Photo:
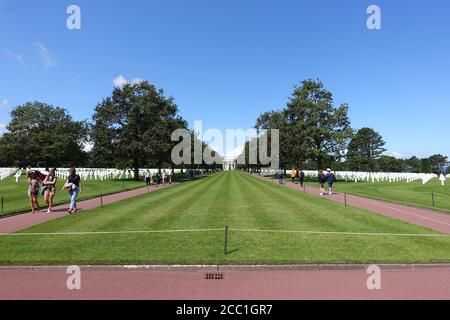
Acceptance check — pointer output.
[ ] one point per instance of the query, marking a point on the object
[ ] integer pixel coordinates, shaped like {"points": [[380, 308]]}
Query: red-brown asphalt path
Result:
{"points": [[435, 220], [50, 284], [23, 221]]}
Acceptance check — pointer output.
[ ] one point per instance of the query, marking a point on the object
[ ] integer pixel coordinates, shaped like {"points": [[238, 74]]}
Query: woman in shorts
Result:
{"points": [[50, 189], [321, 177], [33, 190]]}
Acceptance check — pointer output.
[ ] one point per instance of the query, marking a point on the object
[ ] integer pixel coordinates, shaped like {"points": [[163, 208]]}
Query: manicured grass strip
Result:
{"points": [[267, 224], [93, 233], [431, 195]]}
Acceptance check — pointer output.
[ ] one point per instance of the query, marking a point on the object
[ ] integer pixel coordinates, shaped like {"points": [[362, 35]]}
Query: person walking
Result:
{"points": [[163, 175], [158, 178], [321, 178], [280, 175], [33, 190], [331, 178], [73, 186], [170, 174], [148, 179], [301, 177], [49, 184], [293, 175]]}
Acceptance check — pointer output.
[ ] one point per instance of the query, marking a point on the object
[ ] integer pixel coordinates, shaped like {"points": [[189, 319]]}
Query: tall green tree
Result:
{"points": [[42, 135], [425, 165], [390, 164], [365, 148], [311, 127], [288, 150], [436, 161], [412, 164], [134, 126], [315, 125]]}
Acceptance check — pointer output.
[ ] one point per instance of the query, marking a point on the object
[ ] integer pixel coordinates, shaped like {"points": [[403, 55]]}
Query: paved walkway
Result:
{"points": [[23, 221], [435, 220], [116, 283]]}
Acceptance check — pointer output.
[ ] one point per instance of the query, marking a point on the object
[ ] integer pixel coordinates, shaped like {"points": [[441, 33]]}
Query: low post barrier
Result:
{"points": [[433, 199], [225, 247]]}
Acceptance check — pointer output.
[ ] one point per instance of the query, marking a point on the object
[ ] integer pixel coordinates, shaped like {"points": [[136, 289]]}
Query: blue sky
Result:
{"points": [[225, 62]]}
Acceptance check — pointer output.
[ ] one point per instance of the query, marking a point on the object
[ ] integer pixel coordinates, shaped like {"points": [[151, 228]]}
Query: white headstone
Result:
{"points": [[442, 179]]}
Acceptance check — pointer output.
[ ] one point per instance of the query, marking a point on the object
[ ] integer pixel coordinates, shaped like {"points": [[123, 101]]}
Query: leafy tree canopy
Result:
{"points": [[40, 134]]}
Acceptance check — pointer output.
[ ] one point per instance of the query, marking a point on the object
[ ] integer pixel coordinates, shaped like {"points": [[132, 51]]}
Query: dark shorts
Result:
{"points": [[330, 184]]}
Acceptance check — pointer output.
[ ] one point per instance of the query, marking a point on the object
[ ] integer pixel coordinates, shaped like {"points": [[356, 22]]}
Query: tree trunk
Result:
{"points": [[319, 163], [136, 170]]}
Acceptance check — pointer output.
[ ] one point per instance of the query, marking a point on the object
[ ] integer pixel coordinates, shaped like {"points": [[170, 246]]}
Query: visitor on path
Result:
{"points": [[73, 186], [169, 175], [280, 174], [148, 179], [293, 175], [301, 177], [158, 178], [331, 178], [33, 190], [49, 184], [321, 178], [164, 175]]}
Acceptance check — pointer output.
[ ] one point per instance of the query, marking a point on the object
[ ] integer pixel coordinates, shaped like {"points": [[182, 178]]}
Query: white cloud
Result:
{"points": [[46, 57], [394, 154], [19, 57], [3, 103], [120, 81]]}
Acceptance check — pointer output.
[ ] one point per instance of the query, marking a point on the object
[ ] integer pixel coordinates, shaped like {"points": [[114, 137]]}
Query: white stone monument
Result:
{"points": [[229, 164]]}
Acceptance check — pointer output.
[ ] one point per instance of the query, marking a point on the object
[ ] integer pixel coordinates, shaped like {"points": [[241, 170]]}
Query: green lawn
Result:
{"points": [[233, 199], [414, 193], [15, 198]]}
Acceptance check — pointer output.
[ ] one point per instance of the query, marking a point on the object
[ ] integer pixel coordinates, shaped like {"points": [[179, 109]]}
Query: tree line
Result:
{"points": [[315, 134], [129, 129], [132, 129]]}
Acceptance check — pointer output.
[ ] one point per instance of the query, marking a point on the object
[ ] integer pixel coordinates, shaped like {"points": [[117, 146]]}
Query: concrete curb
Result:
{"points": [[228, 268]]}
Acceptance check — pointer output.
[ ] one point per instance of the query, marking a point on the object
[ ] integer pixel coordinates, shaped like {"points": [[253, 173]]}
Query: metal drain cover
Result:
{"points": [[214, 276]]}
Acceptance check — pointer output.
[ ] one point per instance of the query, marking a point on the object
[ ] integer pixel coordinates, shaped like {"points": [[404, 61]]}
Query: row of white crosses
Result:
{"points": [[384, 176], [6, 172], [371, 176]]}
